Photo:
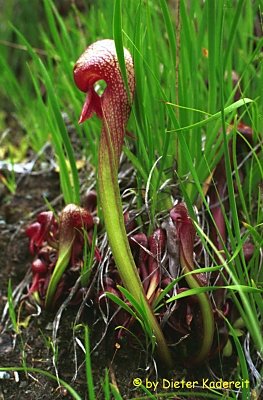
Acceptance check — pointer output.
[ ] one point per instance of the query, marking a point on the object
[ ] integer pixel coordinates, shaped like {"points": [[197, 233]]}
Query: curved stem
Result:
{"points": [[186, 236], [117, 236], [207, 321]]}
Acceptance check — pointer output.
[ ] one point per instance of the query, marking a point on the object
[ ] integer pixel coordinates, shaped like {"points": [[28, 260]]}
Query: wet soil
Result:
{"points": [[32, 347]]}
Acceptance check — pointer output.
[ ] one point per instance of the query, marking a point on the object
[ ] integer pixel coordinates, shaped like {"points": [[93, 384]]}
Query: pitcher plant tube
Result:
{"points": [[186, 236], [100, 62], [73, 218], [57, 246]]}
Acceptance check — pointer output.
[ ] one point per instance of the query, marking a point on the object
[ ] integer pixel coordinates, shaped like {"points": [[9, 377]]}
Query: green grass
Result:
{"points": [[184, 125], [155, 79]]}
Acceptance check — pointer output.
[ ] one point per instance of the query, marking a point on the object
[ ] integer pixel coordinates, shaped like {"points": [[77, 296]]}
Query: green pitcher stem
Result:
{"points": [[207, 321], [117, 236]]}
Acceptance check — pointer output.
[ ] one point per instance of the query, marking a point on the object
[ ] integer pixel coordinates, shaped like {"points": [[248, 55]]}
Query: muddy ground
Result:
{"points": [[16, 211]]}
